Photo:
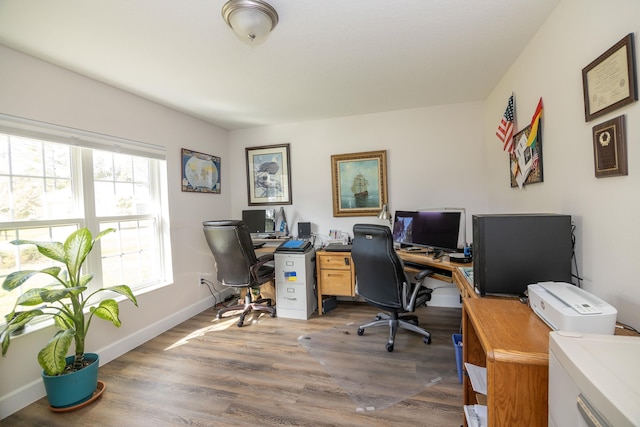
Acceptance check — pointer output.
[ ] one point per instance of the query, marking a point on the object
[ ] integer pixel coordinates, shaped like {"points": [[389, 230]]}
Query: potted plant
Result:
{"points": [[65, 300]]}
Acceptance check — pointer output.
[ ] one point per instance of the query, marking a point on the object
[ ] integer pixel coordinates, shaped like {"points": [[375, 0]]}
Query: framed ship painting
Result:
{"points": [[359, 183]]}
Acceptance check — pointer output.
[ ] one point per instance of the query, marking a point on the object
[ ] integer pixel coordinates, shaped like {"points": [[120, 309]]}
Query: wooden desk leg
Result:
{"points": [[319, 301]]}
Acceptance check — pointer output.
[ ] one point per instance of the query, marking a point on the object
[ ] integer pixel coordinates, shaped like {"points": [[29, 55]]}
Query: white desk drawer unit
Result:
{"points": [[294, 284]]}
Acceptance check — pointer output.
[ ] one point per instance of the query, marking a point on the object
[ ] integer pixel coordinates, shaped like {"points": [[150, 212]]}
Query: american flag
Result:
{"points": [[505, 128]]}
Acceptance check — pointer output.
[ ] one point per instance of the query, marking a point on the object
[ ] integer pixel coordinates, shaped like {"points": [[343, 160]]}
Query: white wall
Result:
{"points": [[435, 158], [604, 209], [40, 91]]}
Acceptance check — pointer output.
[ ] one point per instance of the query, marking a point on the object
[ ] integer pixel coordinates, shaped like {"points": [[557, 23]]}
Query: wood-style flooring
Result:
{"points": [[208, 372]]}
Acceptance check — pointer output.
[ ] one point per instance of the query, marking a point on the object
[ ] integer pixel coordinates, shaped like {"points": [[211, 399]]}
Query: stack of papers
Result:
{"points": [[476, 415], [468, 274], [478, 377]]}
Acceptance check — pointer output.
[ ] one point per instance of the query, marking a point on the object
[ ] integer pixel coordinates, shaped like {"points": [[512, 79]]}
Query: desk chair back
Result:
{"points": [[381, 280], [379, 271], [232, 248]]}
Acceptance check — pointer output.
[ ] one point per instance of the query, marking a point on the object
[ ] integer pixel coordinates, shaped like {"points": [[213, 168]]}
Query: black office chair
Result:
{"points": [[237, 264], [381, 280]]}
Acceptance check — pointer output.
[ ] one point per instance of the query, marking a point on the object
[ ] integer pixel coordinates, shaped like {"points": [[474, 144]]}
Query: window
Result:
{"points": [[54, 181]]}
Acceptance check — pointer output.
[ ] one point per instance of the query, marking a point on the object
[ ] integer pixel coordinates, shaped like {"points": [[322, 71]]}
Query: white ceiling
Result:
{"points": [[326, 58]]}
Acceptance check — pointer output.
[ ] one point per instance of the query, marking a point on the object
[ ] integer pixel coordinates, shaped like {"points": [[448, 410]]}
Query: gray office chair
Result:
{"points": [[237, 264], [382, 281]]}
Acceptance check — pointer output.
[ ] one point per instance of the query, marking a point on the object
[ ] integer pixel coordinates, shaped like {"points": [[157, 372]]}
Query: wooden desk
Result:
{"points": [[335, 275], [509, 339], [336, 272]]}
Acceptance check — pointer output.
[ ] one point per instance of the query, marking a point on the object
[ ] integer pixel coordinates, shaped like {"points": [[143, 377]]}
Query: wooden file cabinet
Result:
{"points": [[336, 275], [509, 339]]}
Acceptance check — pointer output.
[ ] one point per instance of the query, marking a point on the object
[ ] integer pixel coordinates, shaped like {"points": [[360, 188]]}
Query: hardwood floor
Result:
{"points": [[205, 372]]}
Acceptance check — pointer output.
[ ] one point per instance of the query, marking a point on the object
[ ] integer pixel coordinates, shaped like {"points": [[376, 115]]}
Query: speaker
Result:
{"points": [[304, 230]]}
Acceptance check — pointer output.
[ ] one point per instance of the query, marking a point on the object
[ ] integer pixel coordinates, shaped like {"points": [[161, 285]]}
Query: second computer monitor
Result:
{"points": [[437, 229]]}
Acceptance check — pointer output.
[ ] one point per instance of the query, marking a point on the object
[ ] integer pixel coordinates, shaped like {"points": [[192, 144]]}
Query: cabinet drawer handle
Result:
{"points": [[291, 299]]}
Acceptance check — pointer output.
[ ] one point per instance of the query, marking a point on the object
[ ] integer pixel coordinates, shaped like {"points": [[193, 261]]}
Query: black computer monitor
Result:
{"points": [[403, 227], [435, 229], [260, 221]]}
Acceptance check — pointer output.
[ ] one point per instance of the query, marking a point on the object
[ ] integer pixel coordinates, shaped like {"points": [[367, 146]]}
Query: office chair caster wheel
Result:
{"points": [[273, 314], [426, 340], [389, 348], [377, 318], [241, 321], [360, 331]]}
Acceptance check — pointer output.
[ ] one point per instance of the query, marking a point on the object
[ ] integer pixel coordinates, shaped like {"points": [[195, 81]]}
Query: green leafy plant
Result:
{"points": [[64, 300]]}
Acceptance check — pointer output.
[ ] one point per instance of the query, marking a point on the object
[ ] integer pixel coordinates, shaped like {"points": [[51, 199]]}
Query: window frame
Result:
{"points": [[82, 144]]}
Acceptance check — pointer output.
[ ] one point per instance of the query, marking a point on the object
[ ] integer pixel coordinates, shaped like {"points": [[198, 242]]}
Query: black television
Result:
{"points": [[440, 229], [512, 251]]}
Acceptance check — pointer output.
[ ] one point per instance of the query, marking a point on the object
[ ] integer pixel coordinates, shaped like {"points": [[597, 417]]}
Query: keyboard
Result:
{"points": [[337, 247]]}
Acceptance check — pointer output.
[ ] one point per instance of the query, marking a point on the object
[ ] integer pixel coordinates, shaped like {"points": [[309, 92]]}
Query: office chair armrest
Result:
{"points": [[421, 275], [262, 260], [420, 278]]}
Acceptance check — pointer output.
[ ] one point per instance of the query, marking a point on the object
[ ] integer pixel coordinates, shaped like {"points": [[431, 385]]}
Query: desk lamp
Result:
{"points": [[385, 214]]}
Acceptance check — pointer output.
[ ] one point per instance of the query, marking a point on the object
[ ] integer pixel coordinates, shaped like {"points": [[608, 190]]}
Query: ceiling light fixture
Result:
{"points": [[251, 20]]}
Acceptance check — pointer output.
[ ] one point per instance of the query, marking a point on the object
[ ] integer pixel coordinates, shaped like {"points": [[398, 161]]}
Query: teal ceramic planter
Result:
{"points": [[74, 388]]}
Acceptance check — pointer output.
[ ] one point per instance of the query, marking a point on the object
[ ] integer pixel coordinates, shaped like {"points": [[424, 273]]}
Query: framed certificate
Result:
{"points": [[609, 82]]}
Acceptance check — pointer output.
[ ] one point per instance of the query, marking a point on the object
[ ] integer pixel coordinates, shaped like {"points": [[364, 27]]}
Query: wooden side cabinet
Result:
{"points": [[336, 275], [507, 338]]}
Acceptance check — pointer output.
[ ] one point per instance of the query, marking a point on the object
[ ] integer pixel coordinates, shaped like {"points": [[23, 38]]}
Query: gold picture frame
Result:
{"points": [[268, 175], [359, 183], [610, 148], [609, 82]]}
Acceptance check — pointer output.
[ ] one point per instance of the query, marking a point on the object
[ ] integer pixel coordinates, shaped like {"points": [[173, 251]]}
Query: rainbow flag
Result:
{"points": [[535, 125]]}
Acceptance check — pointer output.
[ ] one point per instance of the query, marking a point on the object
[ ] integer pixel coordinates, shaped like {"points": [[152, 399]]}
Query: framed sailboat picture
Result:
{"points": [[359, 183]]}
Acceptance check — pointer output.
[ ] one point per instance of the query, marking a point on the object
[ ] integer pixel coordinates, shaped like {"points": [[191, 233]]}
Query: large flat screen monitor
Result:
{"points": [[436, 229]]}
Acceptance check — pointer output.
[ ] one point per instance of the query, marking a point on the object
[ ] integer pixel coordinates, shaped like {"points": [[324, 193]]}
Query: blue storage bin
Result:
{"points": [[457, 345]]}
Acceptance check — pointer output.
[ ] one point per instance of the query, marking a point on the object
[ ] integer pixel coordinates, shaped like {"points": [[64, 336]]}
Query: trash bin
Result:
{"points": [[457, 345]]}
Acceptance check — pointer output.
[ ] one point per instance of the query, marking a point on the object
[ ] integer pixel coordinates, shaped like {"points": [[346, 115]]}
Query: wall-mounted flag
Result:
{"points": [[535, 125], [505, 128]]}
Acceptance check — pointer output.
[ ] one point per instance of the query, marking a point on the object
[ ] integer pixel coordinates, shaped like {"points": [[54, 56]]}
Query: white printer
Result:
{"points": [[566, 307]]}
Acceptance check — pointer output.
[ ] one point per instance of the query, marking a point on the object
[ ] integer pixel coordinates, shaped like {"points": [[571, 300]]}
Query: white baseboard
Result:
{"points": [[31, 392]]}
